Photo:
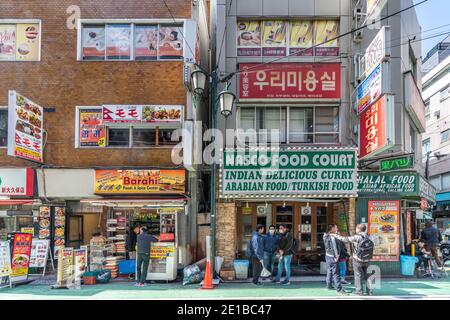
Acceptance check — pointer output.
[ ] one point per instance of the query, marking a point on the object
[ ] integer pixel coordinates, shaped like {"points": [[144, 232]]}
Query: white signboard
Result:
{"points": [[25, 128], [142, 114], [17, 182], [5, 259], [376, 52], [39, 253]]}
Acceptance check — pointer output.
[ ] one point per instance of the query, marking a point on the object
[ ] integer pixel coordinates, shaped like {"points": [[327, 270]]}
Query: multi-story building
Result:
{"points": [[109, 78], [436, 55], [436, 140], [305, 79]]}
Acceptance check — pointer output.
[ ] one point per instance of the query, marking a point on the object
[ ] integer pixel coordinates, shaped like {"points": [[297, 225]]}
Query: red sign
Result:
{"points": [[20, 258], [17, 182], [423, 204], [284, 81], [372, 135]]}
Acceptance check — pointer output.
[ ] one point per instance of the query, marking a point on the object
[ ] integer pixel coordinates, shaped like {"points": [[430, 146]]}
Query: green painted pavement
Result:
{"points": [[303, 290]]}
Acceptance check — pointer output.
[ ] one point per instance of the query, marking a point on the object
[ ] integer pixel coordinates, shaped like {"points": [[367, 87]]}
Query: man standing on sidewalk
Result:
{"points": [[144, 241], [362, 254], [432, 237], [286, 251], [332, 255], [271, 241], [257, 253]]}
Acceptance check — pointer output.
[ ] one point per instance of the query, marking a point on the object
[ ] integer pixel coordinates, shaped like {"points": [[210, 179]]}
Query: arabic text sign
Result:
{"points": [[281, 81], [304, 172]]}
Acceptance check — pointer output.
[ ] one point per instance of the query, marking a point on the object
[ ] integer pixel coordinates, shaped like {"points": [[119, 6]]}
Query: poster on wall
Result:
{"points": [[145, 42], [170, 42], [20, 257], [301, 38], [59, 230], [27, 42], [249, 38], [44, 221], [93, 42], [39, 253], [92, 130], [139, 181], [5, 259], [384, 229], [7, 42], [326, 33], [25, 128], [118, 41], [274, 38]]}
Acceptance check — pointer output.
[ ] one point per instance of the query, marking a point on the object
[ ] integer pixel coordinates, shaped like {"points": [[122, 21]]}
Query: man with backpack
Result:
{"points": [[286, 249], [255, 250], [363, 248]]}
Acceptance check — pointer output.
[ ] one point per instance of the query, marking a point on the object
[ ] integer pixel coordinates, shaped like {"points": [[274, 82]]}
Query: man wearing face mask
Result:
{"points": [[271, 241]]}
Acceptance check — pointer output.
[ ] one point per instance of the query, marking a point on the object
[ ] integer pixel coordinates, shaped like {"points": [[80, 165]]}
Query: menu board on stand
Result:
{"points": [[65, 274], [5, 264], [384, 229], [59, 230], [40, 252], [20, 257], [80, 257]]}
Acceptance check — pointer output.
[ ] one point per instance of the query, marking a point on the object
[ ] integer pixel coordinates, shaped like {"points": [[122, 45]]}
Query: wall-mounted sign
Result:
{"points": [[308, 172], [414, 103], [403, 184], [92, 130], [376, 52], [141, 113], [370, 90], [140, 181], [384, 229], [290, 82], [17, 182], [25, 128], [399, 163], [20, 257], [376, 127]]}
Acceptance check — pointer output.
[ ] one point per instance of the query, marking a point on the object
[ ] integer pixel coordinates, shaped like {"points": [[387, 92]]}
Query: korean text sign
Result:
{"points": [[284, 81], [372, 135]]}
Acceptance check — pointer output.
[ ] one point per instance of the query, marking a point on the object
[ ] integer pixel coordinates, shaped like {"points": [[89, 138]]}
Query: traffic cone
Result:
{"points": [[207, 281]]}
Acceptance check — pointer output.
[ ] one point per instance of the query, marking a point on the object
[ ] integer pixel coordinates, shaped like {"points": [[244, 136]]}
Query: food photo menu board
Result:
{"points": [[44, 223], [59, 230], [20, 257], [384, 229], [5, 259]]}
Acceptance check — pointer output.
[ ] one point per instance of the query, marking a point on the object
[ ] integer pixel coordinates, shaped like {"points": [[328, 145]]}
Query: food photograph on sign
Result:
{"points": [[27, 42], [249, 38], [27, 131], [92, 130]]}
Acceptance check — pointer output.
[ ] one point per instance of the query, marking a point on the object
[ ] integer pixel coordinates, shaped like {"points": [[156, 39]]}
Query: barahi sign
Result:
{"points": [[311, 172]]}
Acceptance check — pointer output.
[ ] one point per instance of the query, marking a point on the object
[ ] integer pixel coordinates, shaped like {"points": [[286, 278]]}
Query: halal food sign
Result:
{"points": [[25, 128], [306, 172]]}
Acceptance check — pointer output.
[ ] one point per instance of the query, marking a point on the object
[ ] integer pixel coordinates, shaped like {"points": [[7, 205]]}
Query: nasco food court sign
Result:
{"points": [[302, 172]]}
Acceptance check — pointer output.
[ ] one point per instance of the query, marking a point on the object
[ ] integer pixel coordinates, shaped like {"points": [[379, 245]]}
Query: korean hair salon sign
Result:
{"points": [[303, 172]]}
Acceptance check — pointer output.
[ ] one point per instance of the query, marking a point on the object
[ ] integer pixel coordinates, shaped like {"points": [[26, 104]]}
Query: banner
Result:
{"points": [[25, 128], [370, 90], [142, 114], [20, 258], [384, 229], [249, 38], [170, 42], [93, 43], [27, 42], [326, 33], [5, 259], [17, 182], [290, 81], [318, 172], [7, 42], [140, 181], [118, 41], [274, 38], [39, 253], [145, 42], [59, 229], [80, 264], [301, 38], [92, 130]]}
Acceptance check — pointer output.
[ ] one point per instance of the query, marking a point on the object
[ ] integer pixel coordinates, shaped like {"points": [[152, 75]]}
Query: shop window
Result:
{"points": [[118, 137], [167, 137], [131, 41], [3, 127], [301, 125], [20, 41], [270, 124], [444, 93], [326, 125], [445, 136], [144, 137]]}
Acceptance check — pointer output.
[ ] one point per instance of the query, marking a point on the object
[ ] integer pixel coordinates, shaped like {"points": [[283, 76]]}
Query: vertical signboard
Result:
{"points": [[384, 229], [20, 257], [25, 128], [5, 259], [59, 229], [376, 52]]}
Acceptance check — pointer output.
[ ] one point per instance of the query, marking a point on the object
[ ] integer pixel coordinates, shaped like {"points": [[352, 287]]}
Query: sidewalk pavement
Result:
{"points": [[304, 289]]}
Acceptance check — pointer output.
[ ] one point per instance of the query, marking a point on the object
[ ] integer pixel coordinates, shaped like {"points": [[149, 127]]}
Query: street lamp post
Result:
{"points": [[225, 100]]}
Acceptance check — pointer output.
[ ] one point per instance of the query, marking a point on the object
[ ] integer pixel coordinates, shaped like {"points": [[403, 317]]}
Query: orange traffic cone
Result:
{"points": [[207, 281]]}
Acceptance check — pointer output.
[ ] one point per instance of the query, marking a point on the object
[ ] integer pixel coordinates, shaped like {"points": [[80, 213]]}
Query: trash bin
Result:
{"points": [[408, 265], [241, 269]]}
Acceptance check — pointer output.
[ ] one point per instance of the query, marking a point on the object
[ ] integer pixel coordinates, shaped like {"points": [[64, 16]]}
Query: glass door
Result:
{"points": [[75, 231]]}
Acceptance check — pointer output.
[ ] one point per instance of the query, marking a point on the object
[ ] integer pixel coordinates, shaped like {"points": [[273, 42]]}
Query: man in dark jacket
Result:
{"points": [[286, 250], [271, 241], [144, 241], [432, 237], [332, 255], [257, 253]]}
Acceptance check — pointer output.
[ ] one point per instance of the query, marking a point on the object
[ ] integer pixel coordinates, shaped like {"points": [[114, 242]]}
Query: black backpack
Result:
{"points": [[364, 248], [294, 248]]}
